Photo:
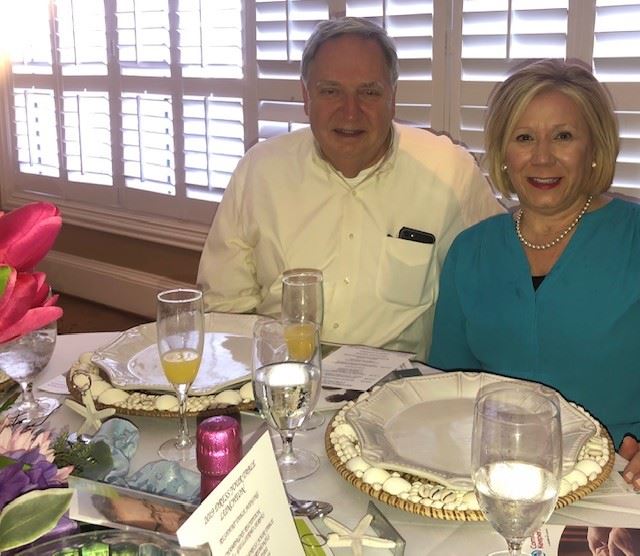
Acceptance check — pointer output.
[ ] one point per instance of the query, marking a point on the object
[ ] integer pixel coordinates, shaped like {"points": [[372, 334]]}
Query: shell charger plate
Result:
{"points": [[127, 375], [132, 361], [389, 444]]}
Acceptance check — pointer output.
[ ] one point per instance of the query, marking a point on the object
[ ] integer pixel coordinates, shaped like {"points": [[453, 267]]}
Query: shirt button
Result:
{"points": [[350, 236], [335, 325], [346, 280], [354, 192]]}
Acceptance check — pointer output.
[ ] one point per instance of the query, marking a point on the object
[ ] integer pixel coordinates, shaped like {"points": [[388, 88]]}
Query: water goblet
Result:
{"points": [[24, 358], [286, 385], [303, 302], [180, 327], [516, 460]]}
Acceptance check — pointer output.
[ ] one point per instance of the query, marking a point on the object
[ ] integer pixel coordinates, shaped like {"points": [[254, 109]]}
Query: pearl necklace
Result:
{"points": [[559, 238]]}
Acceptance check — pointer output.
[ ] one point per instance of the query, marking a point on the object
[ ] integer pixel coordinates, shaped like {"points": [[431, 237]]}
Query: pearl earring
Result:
{"points": [[594, 164], [504, 167]]}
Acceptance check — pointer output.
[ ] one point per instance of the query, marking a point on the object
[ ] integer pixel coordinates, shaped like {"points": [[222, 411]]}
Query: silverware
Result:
{"points": [[308, 508]]}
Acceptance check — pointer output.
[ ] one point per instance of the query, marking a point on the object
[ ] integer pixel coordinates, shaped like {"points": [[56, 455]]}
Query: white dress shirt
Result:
{"points": [[286, 207]]}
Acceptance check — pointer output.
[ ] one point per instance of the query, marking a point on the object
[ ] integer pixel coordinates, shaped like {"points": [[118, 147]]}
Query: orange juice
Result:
{"points": [[301, 341], [181, 365]]}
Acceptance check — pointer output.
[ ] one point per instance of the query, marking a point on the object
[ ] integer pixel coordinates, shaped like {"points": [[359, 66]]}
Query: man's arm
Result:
{"points": [[227, 273], [476, 200]]}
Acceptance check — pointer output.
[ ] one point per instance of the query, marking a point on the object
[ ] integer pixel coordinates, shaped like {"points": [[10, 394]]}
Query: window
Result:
{"points": [[132, 114], [616, 61]]}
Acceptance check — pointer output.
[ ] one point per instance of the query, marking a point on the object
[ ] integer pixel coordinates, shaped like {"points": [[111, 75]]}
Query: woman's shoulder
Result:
{"points": [[619, 214], [487, 227], [625, 204], [487, 236]]}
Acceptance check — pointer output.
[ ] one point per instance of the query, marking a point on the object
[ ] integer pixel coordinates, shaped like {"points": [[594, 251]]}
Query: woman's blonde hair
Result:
{"points": [[511, 97]]}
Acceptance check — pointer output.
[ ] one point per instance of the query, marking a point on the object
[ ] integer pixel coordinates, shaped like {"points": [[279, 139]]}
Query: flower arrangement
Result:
{"points": [[33, 499], [34, 467], [32, 494], [26, 235]]}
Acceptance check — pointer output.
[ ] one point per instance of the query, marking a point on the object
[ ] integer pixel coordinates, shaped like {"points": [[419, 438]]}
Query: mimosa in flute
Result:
{"points": [[302, 303], [181, 365], [180, 327]]}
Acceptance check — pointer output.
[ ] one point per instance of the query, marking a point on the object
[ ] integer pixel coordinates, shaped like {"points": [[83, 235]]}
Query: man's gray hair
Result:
{"points": [[332, 28]]}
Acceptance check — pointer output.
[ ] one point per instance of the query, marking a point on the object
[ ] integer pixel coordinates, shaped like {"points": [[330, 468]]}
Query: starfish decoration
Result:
{"points": [[92, 417], [342, 536]]}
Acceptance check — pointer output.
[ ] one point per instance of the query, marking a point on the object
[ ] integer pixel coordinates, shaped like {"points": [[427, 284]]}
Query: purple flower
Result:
{"points": [[14, 480]]}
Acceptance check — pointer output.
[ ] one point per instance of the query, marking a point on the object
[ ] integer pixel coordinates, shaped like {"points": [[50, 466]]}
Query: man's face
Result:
{"points": [[350, 102]]}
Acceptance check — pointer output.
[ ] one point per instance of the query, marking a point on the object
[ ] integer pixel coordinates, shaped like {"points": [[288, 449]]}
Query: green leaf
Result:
{"points": [[9, 401], [5, 273], [6, 461], [31, 515], [91, 461], [100, 463]]}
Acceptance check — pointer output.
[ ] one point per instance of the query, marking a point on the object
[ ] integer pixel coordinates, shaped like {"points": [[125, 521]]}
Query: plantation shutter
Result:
{"points": [[616, 62]]}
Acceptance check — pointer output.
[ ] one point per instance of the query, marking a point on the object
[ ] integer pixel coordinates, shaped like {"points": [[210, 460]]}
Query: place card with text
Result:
{"points": [[248, 512], [360, 367]]}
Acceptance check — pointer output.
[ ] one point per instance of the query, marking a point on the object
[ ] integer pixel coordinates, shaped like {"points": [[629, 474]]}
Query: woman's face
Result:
{"points": [[549, 155]]}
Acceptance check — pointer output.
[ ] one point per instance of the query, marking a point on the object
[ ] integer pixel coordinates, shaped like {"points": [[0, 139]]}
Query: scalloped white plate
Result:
{"points": [[422, 426], [132, 361]]}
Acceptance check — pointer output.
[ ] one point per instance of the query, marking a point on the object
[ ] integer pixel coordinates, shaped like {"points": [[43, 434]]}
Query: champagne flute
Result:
{"points": [[286, 384], [22, 359], [180, 326], [303, 303], [516, 460]]}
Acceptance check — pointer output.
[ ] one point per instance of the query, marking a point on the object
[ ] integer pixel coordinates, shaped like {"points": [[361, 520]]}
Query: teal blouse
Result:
{"points": [[579, 332]]}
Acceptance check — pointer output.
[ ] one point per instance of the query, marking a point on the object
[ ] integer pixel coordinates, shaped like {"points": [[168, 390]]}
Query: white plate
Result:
{"points": [[132, 361], [423, 425]]}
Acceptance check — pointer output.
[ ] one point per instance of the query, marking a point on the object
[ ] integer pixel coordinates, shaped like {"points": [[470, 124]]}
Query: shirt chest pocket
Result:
{"points": [[403, 272]]}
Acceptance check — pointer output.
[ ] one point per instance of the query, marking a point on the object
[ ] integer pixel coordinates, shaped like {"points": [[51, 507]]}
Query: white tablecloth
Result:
{"points": [[424, 536]]}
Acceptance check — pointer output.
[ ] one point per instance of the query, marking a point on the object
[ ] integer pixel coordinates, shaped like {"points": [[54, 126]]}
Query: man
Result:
{"points": [[336, 197]]}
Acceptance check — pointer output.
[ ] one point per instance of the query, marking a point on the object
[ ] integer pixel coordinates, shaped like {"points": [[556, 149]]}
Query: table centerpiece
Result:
{"points": [[32, 494]]}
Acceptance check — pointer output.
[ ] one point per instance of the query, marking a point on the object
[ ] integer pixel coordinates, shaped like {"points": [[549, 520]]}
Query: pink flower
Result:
{"points": [[25, 305], [26, 234], [24, 439]]}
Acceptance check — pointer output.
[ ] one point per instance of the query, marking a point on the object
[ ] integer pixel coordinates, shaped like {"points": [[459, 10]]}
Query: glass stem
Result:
{"points": [[27, 394], [287, 447], [182, 441], [515, 547]]}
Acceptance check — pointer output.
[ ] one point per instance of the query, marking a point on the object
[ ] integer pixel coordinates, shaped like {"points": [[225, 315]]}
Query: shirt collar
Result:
{"points": [[382, 165]]}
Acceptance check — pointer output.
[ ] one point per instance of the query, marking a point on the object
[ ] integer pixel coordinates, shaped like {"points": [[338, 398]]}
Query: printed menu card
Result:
{"points": [[247, 513]]}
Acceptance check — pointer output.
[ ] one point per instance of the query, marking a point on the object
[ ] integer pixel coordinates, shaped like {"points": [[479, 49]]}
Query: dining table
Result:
{"points": [[423, 536]]}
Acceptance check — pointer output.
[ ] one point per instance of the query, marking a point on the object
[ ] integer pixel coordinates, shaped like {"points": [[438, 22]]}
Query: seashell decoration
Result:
{"points": [[591, 460]]}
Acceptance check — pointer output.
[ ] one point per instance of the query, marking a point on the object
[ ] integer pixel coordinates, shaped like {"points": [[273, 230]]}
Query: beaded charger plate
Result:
{"points": [[132, 361], [150, 403], [367, 440], [126, 374]]}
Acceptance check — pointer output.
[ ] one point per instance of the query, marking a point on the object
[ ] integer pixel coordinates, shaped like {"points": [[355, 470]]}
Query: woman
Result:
{"points": [[551, 293]]}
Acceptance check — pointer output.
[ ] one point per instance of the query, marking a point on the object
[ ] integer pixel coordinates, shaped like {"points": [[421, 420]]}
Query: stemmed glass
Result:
{"points": [[22, 359], [180, 327], [303, 303], [286, 385], [516, 460]]}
